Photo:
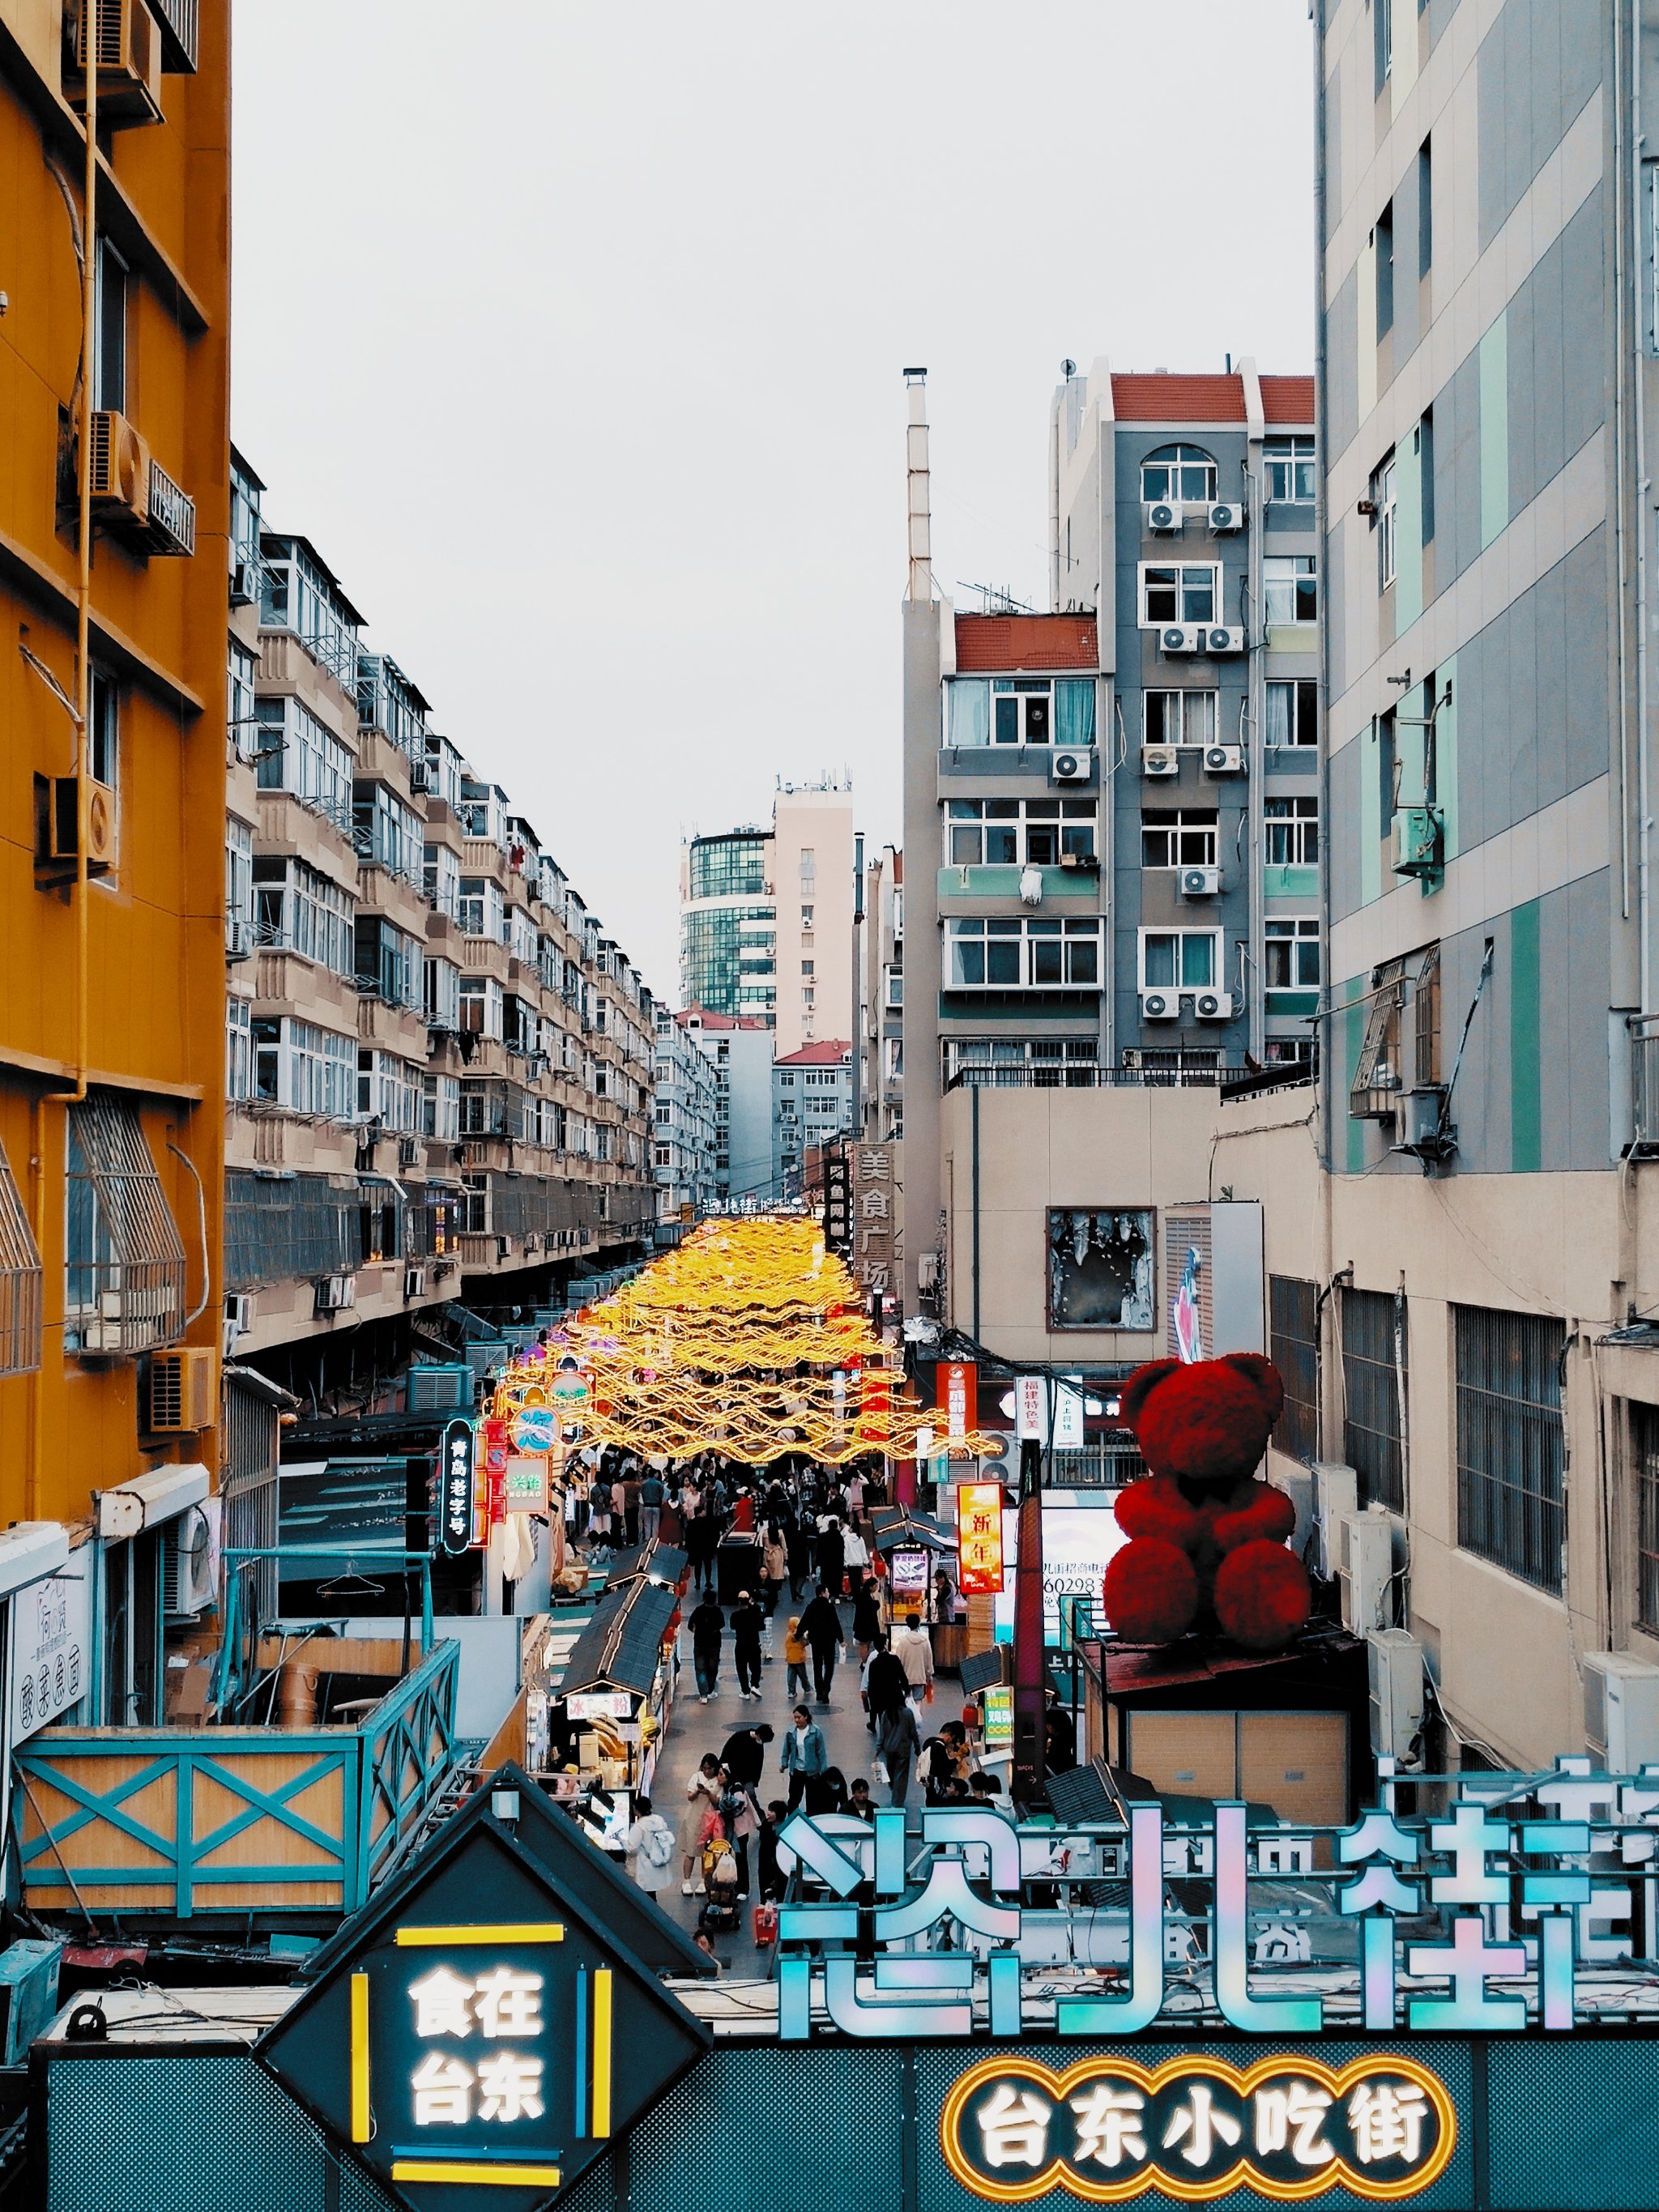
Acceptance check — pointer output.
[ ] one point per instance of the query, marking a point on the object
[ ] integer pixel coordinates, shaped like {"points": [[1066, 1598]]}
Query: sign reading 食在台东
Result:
{"points": [[1197, 2126], [484, 2034]]}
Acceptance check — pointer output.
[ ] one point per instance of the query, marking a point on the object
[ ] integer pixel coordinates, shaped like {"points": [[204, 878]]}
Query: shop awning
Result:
{"points": [[148, 1499], [28, 1550], [899, 1530], [620, 1647]]}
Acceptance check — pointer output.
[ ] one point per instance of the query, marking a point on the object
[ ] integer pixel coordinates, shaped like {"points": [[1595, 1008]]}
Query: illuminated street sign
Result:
{"points": [[455, 1480], [979, 1538]]}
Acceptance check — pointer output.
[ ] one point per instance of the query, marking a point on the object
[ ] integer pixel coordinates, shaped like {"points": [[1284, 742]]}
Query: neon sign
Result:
{"points": [[1194, 2128], [979, 1538]]}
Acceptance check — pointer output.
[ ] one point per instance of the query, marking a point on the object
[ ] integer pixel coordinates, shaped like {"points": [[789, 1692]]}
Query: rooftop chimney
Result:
{"points": [[921, 585]]}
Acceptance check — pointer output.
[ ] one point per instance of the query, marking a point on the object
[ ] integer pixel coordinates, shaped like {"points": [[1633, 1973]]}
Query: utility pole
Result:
{"points": [[1030, 1760]]}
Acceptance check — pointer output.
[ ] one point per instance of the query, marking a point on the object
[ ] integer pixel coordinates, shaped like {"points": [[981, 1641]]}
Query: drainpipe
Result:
{"points": [[1640, 516]]}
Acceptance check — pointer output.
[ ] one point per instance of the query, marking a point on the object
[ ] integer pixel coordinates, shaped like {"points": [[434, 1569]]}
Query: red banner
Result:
{"points": [[958, 1396]]}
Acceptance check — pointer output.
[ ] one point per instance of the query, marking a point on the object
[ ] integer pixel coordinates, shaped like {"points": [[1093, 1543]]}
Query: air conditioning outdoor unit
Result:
{"points": [[1224, 760], [1214, 1005], [336, 1293], [418, 776], [1179, 637], [1621, 1711], [1160, 1005], [179, 1392], [239, 937], [120, 470], [129, 61], [238, 1317], [414, 1282], [1394, 1659], [244, 583], [1219, 639], [1160, 760], [1417, 840], [63, 828], [1070, 767], [1225, 515], [1162, 514], [1365, 1569], [1201, 883], [1336, 1492], [187, 1576]]}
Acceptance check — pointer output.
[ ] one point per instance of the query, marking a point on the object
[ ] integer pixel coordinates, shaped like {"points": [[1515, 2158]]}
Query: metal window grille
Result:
{"points": [[288, 1229], [1510, 1441], [20, 1281], [1644, 1459], [125, 1271], [1294, 1347], [1373, 1332]]}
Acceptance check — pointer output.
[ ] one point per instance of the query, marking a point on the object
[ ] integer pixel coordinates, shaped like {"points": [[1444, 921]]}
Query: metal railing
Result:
{"points": [[1092, 1075], [1645, 1083]]}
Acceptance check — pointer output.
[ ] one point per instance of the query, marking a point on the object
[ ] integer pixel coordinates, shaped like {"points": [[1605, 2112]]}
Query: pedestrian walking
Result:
{"points": [[830, 1556], [886, 1684], [769, 1880], [804, 1757], [747, 1623], [794, 1656], [914, 1650], [701, 1815], [798, 1544], [652, 1495], [821, 1631], [648, 1848], [866, 1616], [775, 1566], [898, 1740], [707, 1625]]}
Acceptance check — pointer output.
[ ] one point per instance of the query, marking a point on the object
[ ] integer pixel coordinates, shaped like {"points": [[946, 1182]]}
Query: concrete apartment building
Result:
{"points": [[739, 1047], [812, 1105], [684, 1123], [440, 1067], [766, 917], [113, 514]]}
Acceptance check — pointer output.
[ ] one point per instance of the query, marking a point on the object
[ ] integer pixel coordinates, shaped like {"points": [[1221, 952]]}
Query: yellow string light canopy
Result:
{"points": [[750, 1339]]}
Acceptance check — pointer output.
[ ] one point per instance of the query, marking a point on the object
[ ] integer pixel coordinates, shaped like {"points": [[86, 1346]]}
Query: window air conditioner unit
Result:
{"points": [[129, 61], [414, 1282], [187, 1576], [1336, 1492], [1179, 637], [1219, 639], [1394, 1659], [1365, 1569], [1621, 1711], [1070, 767], [239, 1318], [63, 828], [1225, 515], [1160, 1005], [244, 583], [179, 1392], [120, 469], [1201, 883], [1214, 1005], [1224, 760], [1162, 514], [1160, 760]]}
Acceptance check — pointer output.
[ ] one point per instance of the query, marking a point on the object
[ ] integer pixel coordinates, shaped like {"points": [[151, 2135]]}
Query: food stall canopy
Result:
{"points": [[656, 1562], [620, 1647], [897, 1530]]}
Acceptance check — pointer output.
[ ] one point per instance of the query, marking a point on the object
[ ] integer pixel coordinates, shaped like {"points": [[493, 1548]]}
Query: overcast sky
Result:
{"points": [[573, 337]]}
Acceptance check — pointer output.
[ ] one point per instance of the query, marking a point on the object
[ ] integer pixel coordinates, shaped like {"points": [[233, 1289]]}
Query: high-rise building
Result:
{"points": [[740, 1048], [113, 516], [766, 917]]}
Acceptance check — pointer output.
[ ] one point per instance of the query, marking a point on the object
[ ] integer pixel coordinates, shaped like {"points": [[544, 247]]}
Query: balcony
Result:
{"points": [[1077, 887]]}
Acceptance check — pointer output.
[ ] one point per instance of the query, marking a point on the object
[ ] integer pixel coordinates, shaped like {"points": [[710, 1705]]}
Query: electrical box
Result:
{"points": [[1365, 1569], [1336, 1491], [28, 1996], [1395, 1658], [1621, 1711]]}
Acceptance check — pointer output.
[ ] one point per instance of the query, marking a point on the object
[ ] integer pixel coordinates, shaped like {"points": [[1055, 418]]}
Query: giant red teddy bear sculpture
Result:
{"points": [[1206, 1545]]}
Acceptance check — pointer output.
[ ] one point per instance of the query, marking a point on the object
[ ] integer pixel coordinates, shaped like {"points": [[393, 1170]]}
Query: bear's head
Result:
{"points": [[1208, 1421]]}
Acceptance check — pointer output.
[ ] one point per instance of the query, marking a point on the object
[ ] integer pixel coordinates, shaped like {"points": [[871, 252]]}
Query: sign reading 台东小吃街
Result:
{"points": [[480, 2038], [456, 1452], [1382, 2127]]}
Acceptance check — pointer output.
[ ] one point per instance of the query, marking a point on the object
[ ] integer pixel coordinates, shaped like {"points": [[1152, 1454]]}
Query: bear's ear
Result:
{"points": [[1266, 1378], [1140, 1387]]}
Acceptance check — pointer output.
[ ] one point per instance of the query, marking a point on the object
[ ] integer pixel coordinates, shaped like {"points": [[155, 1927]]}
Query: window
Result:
{"points": [[296, 909], [239, 885], [1290, 828], [441, 1106], [1425, 208], [1291, 588], [123, 1288], [1423, 447], [1061, 1062], [1028, 710], [297, 594], [1010, 833], [663, 1156], [1294, 1347], [1293, 713], [1382, 33], [241, 722], [238, 1050], [1376, 1380], [1013, 954], [807, 917], [1179, 718], [388, 834], [1024, 712], [388, 964], [1292, 952], [305, 1069], [1385, 498], [481, 908], [808, 967], [1180, 473], [109, 367], [1189, 592], [809, 863], [806, 996], [1400, 1049], [1510, 1443], [483, 1012], [1178, 837], [441, 881], [1645, 1463], [298, 755], [1179, 959], [388, 1091], [105, 733], [1290, 469], [1382, 239]]}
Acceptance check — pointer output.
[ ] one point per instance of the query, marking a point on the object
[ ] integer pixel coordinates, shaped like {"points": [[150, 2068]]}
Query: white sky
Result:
{"points": [[573, 337]]}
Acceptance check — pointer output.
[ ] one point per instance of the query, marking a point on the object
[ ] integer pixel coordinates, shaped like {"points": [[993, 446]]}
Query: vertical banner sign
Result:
{"points": [[979, 1537], [838, 1203], [959, 1394], [876, 1222], [456, 1454], [489, 1484], [1031, 1409]]}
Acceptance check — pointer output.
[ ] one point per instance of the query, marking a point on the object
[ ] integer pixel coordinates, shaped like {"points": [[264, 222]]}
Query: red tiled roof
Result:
{"points": [[689, 1014], [1288, 399], [1167, 399], [829, 1053], [1008, 641]]}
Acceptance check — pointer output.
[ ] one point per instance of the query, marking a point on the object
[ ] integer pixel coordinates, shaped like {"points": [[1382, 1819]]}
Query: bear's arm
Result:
{"points": [[1155, 1507], [1264, 1512]]}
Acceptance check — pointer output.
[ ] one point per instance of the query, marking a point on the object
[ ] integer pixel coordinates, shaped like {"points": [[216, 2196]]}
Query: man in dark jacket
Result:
{"points": [[821, 1632], [743, 1755], [831, 1557], [887, 1685], [747, 1622], [707, 1623]]}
